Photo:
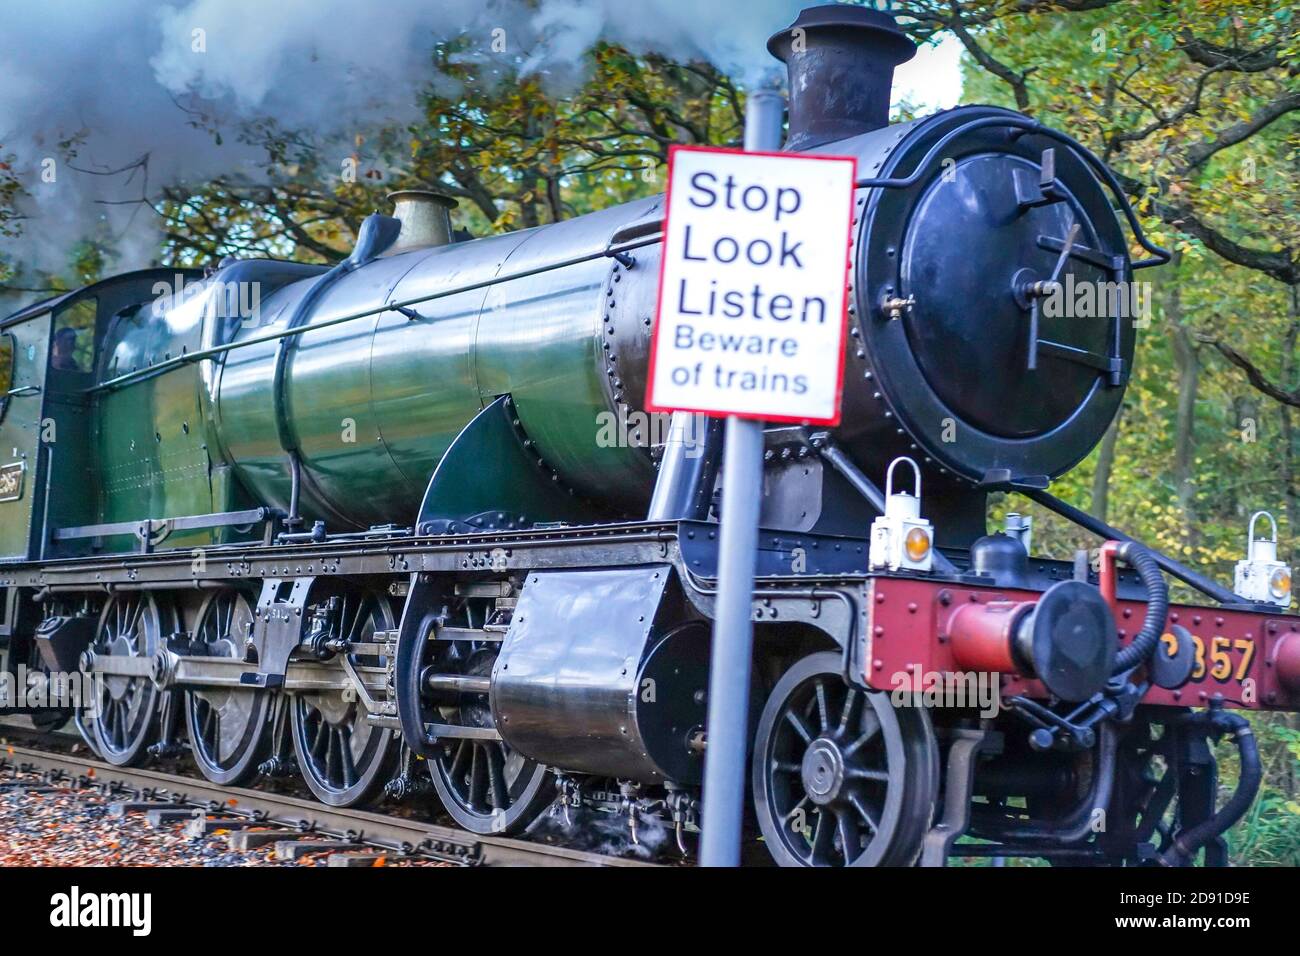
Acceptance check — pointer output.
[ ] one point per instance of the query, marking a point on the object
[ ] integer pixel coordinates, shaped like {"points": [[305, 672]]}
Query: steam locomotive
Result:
{"points": [[405, 521]]}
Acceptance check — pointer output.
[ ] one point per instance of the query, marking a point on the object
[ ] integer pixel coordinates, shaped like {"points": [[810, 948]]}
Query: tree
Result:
{"points": [[512, 151], [1195, 105], [513, 155]]}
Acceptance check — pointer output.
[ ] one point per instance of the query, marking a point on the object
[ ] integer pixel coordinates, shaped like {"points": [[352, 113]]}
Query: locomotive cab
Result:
{"points": [[23, 347], [48, 360]]}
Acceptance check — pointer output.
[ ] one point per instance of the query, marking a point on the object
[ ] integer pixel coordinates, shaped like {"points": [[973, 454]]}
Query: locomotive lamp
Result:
{"points": [[1261, 577], [901, 538]]}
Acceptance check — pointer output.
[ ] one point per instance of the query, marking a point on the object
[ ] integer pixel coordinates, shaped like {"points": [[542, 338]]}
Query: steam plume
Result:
{"points": [[123, 78]]}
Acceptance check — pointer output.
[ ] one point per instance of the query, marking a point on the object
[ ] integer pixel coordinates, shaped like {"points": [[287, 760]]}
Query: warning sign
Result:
{"points": [[753, 289]]}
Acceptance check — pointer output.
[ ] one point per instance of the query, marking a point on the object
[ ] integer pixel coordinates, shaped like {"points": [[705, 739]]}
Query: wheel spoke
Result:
{"points": [[120, 725], [353, 619], [866, 773], [798, 726], [108, 720], [459, 759], [823, 837], [861, 808], [133, 628], [846, 714], [497, 778], [866, 737], [850, 837], [330, 762], [803, 802], [130, 722], [822, 715], [211, 725], [345, 756], [320, 741], [477, 778]]}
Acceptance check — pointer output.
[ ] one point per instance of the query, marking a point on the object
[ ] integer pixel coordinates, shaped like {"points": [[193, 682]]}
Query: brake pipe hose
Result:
{"points": [[1153, 625], [1184, 847]]}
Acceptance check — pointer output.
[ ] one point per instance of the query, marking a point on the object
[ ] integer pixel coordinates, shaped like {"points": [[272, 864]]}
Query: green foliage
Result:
{"points": [[1125, 79], [513, 152], [10, 187], [1269, 834], [1195, 104]]}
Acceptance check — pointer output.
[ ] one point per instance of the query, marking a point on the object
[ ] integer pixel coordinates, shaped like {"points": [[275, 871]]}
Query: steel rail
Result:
{"points": [[307, 816]]}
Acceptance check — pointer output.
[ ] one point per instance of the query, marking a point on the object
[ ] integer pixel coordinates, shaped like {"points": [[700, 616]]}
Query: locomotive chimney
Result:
{"points": [[425, 217], [841, 61]]}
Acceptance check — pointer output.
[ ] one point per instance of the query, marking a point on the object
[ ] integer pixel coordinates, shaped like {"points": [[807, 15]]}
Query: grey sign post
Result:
{"points": [[733, 630]]}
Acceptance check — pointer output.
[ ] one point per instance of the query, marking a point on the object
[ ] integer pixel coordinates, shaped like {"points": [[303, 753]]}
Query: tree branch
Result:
{"points": [[1199, 154], [1283, 265], [1254, 374], [1017, 81], [1207, 53]]}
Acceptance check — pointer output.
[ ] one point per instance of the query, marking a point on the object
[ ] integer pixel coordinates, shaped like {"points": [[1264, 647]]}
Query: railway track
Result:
{"points": [[289, 817]]}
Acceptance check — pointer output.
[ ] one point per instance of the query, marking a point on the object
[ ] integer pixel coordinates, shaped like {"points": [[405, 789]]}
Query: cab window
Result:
{"points": [[6, 370], [73, 346]]}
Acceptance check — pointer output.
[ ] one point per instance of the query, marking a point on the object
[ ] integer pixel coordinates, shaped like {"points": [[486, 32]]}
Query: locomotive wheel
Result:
{"points": [[344, 758], [485, 785], [842, 777], [132, 624], [229, 728], [85, 725]]}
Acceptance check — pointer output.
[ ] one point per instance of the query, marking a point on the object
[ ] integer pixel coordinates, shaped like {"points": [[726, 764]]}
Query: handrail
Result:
{"points": [[1159, 256], [188, 358]]}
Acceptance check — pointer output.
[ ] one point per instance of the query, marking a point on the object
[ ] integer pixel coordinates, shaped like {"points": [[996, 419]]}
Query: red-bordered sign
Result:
{"points": [[753, 285]]}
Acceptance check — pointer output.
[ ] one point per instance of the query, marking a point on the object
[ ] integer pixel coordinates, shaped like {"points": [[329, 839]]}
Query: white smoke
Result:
{"points": [[128, 79]]}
